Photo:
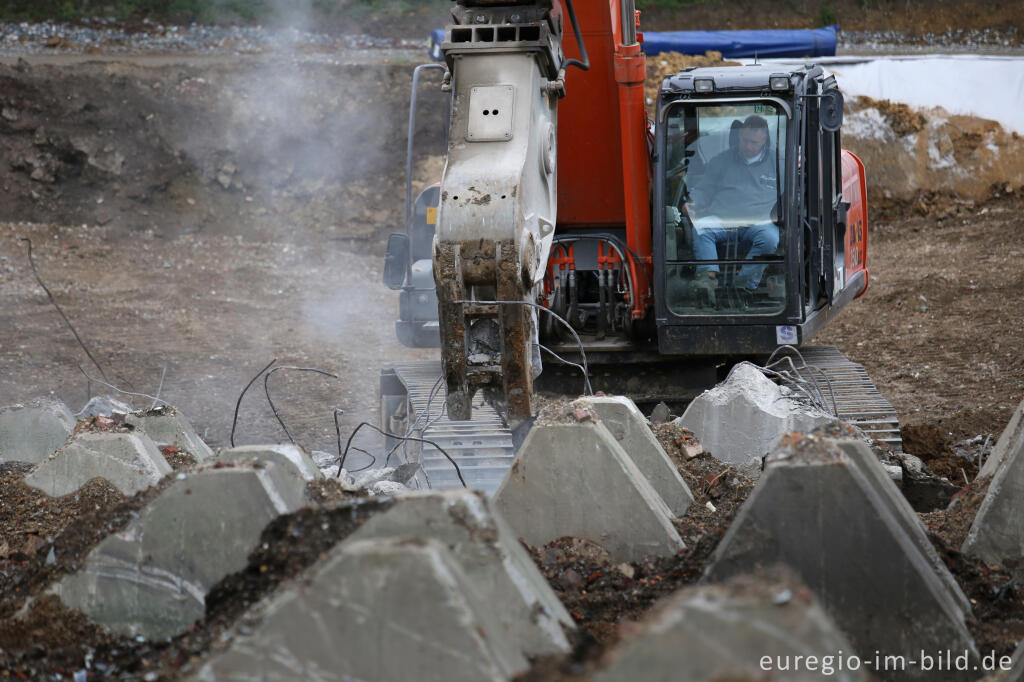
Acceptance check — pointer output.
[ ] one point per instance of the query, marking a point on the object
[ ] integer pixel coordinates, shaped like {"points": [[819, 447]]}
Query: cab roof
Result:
{"points": [[737, 78]]}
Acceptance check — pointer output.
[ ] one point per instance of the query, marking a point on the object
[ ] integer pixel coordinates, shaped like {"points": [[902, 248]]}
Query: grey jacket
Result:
{"points": [[736, 191]]}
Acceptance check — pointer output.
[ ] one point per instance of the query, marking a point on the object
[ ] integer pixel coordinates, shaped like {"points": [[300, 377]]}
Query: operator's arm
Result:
{"points": [[702, 192]]}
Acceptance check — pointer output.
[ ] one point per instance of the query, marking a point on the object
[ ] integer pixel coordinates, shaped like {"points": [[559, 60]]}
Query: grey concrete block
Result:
{"points": [[621, 416], [723, 632], [168, 427], [576, 480], [32, 432], [832, 519], [740, 420], [1010, 440], [997, 534], [385, 610], [128, 461], [290, 457], [489, 553], [151, 578]]}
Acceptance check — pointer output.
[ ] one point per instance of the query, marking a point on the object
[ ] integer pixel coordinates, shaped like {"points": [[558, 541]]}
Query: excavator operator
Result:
{"points": [[732, 202]]}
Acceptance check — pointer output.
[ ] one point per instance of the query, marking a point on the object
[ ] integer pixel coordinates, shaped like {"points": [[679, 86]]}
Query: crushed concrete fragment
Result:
{"points": [[997, 534], [102, 406], [169, 428], [771, 616], [32, 432], [387, 488], [128, 461], [289, 457], [836, 521], [495, 563], [151, 578], [575, 480], [381, 609], [628, 425], [741, 419]]}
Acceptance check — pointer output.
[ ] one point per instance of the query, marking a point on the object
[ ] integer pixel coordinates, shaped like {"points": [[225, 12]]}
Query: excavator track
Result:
{"points": [[413, 404]]}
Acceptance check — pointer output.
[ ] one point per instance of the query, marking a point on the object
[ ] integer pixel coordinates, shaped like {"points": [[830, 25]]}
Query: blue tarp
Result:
{"points": [[818, 42]]}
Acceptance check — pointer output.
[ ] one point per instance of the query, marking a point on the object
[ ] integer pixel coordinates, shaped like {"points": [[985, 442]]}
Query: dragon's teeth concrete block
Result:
{"points": [[622, 418], [128, 461], [740, 420], [817, 511], [997, 534], [726, 631], [151, 578], [290, 457], [32, 432], [390, 610], [533, 619], [1010, 440], [169, 428], [576, 480]]}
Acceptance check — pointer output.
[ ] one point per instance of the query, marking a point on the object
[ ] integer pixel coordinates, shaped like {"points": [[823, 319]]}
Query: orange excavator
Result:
{"points": [[571, 233]]}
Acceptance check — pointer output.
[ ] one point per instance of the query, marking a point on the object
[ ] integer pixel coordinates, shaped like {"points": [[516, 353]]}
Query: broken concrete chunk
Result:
{"points": [[101, 406], [488, 551], [169, 428], [835, 521], [384, 609], [622, 418], [151, 578], [997, 534], [31, 433], [290, 457], [128, 461], [727, 631], [576, 480], [740, 420]]}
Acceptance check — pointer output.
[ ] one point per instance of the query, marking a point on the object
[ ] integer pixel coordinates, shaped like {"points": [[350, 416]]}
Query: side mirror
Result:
{"points": [[831, 110], [396, 261]]}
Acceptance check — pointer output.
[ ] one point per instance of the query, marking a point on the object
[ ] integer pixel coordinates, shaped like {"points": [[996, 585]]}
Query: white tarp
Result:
{"points": [[971, 85]]}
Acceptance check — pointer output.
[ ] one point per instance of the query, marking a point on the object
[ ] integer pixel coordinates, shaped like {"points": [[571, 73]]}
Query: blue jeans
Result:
{"points": [[754, 240]]}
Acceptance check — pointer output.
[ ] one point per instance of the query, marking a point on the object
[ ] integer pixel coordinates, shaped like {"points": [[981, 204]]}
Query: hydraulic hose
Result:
{"points": [[585, 63]]}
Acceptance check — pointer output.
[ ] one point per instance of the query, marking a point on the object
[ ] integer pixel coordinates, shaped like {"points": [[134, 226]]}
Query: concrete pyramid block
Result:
{"points": [[576, 480], [489, 553], [128, 461], [289, 457], [31, 433], [622, 418], [168, 427], [832, 520], [151, 578], [740, 420], [388, 610], [997, 534], [1010, 440], [746, 629]]}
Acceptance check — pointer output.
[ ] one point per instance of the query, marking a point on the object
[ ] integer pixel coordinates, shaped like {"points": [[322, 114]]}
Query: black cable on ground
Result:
{"points": [[238, 403], [266, 389], [32, 264], [341, 464]]}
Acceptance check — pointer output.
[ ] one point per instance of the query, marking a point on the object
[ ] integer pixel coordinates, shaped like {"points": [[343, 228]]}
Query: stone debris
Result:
{"points": [[575, 480], [740, 420], [628, 425], [289, 457], [835, 519], [724, 632], [151, 578], [128, 461], [489, 553], [382, 609], [997, 534], [30, 433], [169, 428], [102, 406]]}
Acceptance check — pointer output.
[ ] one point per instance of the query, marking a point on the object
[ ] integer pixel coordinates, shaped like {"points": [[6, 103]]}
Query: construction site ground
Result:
{"points": [[190, 240]]}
